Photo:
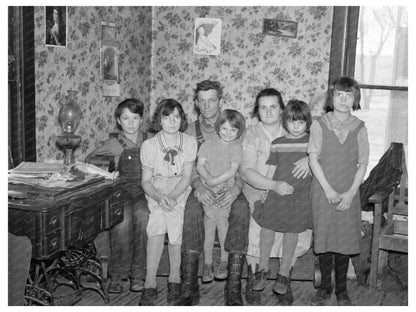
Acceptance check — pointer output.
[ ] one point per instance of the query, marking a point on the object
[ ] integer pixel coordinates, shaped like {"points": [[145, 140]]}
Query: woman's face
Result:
{"points": [[129, 122], [171, 123], [269, 110], [55, 15]]}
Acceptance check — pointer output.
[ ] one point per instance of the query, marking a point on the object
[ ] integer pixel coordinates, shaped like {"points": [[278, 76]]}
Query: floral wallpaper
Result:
{"points": [[249, 61], [157, 61], [77, 67]]}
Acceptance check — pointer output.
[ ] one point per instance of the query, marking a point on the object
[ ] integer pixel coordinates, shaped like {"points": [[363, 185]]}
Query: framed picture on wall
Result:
{"points": [[207, 39], [280, 28], [55, 26]]}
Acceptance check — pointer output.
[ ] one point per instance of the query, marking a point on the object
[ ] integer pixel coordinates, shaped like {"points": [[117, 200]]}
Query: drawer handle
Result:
{"points": [[117, 194], [118, 212], [53, 221], [54, 242]]}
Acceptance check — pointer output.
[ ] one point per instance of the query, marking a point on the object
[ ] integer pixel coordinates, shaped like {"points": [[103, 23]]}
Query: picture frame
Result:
{"points": [[109, 61], [280, 28], [56, 26], [207, 36]]}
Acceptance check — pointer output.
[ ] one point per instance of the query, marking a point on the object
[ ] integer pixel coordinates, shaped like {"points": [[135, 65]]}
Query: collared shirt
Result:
{"points": [[341, 130]]}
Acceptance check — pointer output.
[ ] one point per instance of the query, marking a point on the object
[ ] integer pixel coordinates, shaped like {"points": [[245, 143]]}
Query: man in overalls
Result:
{"points": [[207, 100]]}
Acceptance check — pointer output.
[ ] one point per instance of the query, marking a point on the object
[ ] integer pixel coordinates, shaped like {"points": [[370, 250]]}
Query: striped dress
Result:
{"points": [[288, 213]]}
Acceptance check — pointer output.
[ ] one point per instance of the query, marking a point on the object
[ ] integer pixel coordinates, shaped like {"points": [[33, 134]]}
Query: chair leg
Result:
{"points": [[375, 246]]}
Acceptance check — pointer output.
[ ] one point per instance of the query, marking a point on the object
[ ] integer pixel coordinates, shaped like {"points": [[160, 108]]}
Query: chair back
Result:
{"points": [[385, 175]]}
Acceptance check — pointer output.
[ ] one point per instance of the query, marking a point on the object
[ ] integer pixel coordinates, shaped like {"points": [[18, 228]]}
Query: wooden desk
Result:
{"points": [[61, 225]]}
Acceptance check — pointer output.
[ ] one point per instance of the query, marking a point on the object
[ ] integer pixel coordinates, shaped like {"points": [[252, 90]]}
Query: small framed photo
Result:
{"points": [[207, 39], [109, 62], [280, 28], [55, 28]]}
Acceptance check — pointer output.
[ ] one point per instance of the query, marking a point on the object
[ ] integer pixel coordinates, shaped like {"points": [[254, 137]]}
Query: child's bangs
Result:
{"points": [[295, 114], [167, 109]]}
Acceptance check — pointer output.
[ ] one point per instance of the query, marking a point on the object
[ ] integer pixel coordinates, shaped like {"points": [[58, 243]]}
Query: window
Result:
{"points": [[371, 45]]}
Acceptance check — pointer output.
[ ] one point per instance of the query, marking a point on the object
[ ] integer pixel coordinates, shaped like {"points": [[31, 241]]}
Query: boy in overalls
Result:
{"points": [[128, 239]]}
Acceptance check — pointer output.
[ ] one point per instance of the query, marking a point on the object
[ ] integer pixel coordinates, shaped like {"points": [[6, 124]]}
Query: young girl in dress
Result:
{"points": [[168, 161], [290, 214], [218, 162], [338, 155]]}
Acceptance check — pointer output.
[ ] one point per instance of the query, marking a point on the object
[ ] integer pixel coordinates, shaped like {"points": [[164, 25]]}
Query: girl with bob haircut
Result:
{"points": [[168, 161], [338, 156], [165, 108], [289, 214], [218, 161]]}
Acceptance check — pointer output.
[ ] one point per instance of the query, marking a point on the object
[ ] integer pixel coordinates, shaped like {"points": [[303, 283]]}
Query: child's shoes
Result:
{"points": [[221, 272], [281, 285], [208, 273], [260, 279]]}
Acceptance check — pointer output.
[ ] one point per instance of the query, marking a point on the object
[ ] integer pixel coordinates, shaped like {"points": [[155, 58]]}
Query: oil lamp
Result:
{"points": [[69, 117]]}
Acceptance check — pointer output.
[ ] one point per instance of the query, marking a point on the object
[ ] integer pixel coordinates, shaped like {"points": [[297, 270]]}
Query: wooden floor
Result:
{"points": [[212, 294]]}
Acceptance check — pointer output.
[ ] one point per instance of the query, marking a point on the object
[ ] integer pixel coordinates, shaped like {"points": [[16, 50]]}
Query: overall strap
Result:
{"points": [[123, 144], [199, 136]]}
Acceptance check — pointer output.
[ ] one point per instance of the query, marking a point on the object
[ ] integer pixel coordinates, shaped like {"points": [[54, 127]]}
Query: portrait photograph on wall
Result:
{"points": [[55, 27], [280, 28], [207, 39]]}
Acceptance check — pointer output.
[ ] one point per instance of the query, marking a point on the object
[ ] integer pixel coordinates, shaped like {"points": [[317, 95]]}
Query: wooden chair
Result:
{"points": [[393, 235]]}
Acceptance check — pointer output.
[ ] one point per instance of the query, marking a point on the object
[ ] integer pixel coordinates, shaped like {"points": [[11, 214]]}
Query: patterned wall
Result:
{"points": [[249, 61], [78, 67]]}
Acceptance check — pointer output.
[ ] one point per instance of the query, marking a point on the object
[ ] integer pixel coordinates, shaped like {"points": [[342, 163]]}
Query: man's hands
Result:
{"points": [[209, 198]]}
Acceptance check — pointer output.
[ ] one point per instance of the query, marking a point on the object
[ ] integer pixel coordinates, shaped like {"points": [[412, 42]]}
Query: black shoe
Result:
{"points": [[115, 286], [232, 290], [253, 297], [148, 297], [321, 296], [174, 292], [287, 298], [189, 283], [343, 299]]}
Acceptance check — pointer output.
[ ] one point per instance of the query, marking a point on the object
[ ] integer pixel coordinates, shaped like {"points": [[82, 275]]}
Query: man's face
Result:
{"points": [[208, 103]]}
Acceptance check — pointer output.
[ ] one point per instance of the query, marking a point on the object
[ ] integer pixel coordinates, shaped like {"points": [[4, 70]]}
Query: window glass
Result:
{"points": [[382, 46], [382, 59]]}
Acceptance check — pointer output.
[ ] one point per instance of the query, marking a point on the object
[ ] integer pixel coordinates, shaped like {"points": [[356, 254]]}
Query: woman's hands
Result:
{"points": [[301, 169], [208, 198], [283, 188]]}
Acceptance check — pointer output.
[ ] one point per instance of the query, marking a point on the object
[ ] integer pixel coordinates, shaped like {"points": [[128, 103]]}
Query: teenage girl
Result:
{"points": [[338, 155], [168, 161]]}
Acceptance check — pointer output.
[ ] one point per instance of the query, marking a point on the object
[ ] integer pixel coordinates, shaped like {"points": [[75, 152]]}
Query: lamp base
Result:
{"points": [[69, 142]]}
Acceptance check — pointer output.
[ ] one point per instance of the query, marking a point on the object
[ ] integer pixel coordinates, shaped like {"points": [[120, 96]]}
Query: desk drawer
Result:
{"points": [[52, 243], [53, 221]]}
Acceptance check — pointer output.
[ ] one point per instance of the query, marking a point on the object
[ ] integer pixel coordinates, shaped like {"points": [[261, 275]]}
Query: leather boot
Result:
{"points": [[232, 290], [253, 297], [189, 282]]}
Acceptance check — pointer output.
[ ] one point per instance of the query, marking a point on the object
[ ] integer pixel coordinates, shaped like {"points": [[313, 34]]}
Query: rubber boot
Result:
{"points": [[253, 297], [232, 290], [189, 282]]}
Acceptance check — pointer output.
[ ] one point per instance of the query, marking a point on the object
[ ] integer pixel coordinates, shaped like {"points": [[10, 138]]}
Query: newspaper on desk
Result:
{"points": [[55, 174]]}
